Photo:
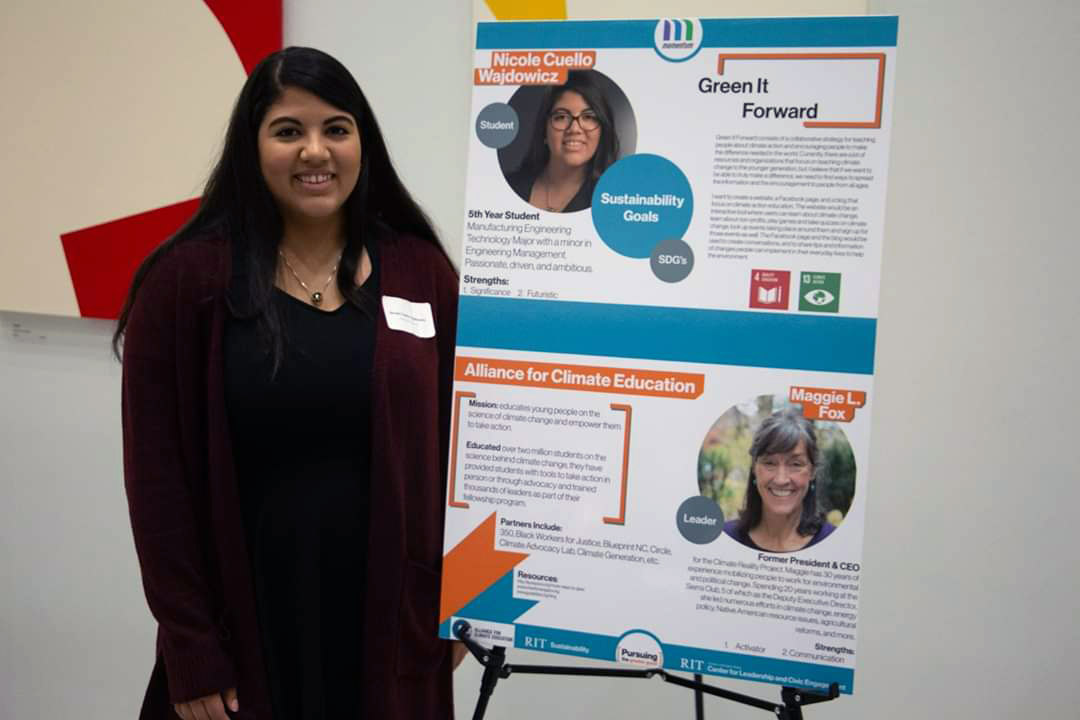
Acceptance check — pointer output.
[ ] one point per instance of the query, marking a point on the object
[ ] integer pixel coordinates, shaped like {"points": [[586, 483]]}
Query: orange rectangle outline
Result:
{"points": [[454, 434], [880, 57], [620, 519]]}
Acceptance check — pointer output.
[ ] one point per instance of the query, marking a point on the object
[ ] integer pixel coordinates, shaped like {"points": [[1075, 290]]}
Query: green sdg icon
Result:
{"points": [[819, 292]]}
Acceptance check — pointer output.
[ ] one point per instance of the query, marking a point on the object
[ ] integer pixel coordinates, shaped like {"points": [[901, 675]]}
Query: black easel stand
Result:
{"points": [[496, 668]]}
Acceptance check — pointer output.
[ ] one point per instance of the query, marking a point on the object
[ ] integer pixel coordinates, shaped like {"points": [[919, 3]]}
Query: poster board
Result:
{"points": [[632, 353]]}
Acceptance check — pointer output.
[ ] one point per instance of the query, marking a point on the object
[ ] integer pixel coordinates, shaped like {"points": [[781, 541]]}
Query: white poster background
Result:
{"points": [[649, 587]]}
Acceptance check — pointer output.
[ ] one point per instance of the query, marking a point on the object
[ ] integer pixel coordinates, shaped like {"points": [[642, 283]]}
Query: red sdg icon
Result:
{"points": [[769, 289]]}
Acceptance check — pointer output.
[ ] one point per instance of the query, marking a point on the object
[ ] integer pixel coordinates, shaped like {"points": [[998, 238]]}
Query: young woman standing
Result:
{"points": [[288, 359]]}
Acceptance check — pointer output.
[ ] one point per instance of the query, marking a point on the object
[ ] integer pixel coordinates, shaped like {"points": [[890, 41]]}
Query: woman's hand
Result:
{"points": [[210, 707], [458, 651]]}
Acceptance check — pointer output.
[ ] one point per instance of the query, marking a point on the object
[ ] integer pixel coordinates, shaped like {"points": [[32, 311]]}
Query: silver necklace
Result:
{"points": [[547, 197], [316, 295]]}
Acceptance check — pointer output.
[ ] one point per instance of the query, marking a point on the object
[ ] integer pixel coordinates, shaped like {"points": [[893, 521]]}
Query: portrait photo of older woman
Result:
{"points": [[783, 481], [780, 510]]}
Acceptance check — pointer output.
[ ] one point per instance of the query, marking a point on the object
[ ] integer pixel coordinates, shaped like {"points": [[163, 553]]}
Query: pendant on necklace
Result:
{"points": [[316, 298]]}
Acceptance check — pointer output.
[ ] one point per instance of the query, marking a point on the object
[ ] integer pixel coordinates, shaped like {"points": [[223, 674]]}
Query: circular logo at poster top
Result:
{"points": [[639, 648], [497, 125], [640, 201], [677, 39]]}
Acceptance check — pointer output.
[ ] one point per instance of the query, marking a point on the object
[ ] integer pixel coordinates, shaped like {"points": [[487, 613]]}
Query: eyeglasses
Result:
{"points": [[563, 119]]}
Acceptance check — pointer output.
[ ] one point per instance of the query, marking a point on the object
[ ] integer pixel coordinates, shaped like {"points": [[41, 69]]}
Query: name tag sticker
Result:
{"points": [[407, 316]]}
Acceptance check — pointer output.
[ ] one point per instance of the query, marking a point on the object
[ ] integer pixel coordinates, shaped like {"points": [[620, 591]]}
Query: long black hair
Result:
{"points": [[584, 83], [781, 433], [237, 203]]}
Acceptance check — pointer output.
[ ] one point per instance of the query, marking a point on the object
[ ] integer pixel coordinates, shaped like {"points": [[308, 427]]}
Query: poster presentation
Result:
{"points": [[665, 352]]}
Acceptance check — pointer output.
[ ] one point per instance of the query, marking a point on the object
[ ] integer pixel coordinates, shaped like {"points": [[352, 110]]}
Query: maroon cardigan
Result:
{"points": [[185, 506]]}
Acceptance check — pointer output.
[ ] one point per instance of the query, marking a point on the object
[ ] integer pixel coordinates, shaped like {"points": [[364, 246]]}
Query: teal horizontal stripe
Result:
{"points": [[766, 339], [810, 32], [743, 666], [791, 673], [563, 34], [565, 642]]}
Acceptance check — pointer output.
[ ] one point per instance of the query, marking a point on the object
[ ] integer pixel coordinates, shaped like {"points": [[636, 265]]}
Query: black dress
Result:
{"points": [[302, 445], [521, 181]]}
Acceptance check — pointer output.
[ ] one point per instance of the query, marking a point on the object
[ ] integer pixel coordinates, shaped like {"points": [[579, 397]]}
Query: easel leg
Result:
{"points": [[492, 672]]}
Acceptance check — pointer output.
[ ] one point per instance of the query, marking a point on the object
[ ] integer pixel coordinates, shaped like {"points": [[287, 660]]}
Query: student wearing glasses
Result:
{"points": [[780, 512], [573, 142]]}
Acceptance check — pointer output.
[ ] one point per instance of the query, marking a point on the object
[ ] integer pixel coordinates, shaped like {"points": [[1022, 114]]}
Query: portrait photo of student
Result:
{"points": [[570, 134]]}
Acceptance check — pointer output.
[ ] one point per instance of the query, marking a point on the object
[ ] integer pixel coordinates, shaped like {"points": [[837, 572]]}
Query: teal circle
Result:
{"points": [[626, 187]]}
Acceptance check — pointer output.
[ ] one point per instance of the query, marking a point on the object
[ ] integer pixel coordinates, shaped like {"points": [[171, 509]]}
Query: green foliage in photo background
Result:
{"points": [[724, 461]]}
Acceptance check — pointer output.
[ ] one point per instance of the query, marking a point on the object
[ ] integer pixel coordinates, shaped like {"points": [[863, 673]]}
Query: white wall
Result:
{"points": [[412, 61], [153, 81], [971, 591]]}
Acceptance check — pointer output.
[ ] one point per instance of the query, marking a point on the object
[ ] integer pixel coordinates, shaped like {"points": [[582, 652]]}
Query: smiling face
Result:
{"points": [[309, 154], [783, 480], [572, 147]]}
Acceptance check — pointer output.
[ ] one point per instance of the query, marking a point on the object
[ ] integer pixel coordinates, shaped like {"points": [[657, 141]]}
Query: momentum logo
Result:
{"points": [[677, 39], [673, 31]]}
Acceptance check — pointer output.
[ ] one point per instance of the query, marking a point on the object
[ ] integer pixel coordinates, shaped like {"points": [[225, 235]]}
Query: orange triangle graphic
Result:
{"points": [[473, 566]]}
